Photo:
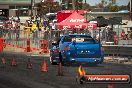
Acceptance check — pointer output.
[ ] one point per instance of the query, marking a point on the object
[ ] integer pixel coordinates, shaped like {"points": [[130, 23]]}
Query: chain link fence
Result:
{"points": [[19, 37]]}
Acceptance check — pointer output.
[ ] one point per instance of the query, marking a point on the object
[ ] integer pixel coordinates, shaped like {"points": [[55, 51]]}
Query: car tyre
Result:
{"points": [[64, 63]]}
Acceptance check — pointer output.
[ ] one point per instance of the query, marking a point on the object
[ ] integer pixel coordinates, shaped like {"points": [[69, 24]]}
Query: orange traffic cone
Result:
{"points": [[29, 64], [44, 67], [3, 60], [13, 62]]}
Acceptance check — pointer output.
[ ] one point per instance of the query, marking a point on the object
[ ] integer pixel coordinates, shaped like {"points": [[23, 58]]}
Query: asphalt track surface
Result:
{"points": [[21, 77]]}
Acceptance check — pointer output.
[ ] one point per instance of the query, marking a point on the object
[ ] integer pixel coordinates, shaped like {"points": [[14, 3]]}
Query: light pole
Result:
{"points": [[31, 8], [131, 10], [73, 5], [77, 5], [85, 1]]}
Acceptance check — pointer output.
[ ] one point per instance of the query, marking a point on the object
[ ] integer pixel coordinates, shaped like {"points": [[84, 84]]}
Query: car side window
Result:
{"points": [[67, 39], [90, 40]]}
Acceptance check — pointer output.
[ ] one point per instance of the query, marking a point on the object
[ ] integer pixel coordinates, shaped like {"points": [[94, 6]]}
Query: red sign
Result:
{"points": [[107, 78], [77, 20]]}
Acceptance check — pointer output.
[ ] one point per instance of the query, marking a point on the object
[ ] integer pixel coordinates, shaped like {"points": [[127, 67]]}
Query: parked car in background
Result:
{"points": [[7, 24], [2, 20], [76, 48], [54, 55]]}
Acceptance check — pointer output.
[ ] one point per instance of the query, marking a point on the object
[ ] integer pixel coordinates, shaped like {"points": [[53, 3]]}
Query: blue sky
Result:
{"points": [[94, 2]]}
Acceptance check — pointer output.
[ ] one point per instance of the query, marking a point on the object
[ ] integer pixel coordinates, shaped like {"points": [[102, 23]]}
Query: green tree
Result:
{"points": [[102, 4], [128, 6], [122, 7], [79, 4], [48, 6], [73, 4], [69, 3], [86, 6], [114, 8]]}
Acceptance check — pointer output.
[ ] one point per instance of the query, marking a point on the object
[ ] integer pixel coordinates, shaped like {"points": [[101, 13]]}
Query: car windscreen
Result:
{"points": [[79, 39], [3, 18]]}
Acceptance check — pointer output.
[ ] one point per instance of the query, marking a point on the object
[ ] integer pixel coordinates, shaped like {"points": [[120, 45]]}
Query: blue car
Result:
{"points": [[77, 48]]}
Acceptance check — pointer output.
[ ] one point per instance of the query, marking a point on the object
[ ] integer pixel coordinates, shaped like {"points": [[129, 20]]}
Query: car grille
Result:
{"points": [[84, 56]]}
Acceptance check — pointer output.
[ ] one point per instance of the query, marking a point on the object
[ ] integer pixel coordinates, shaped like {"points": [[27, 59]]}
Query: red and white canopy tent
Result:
{"points": [[75, 21]]}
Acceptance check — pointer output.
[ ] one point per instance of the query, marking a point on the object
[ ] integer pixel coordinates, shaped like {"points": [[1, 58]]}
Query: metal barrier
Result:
{"points": [[119, 50], [19, 38]]}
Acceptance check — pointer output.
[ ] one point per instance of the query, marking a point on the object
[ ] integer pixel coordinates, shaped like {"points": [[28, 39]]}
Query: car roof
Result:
{"points": [[76, 35]]}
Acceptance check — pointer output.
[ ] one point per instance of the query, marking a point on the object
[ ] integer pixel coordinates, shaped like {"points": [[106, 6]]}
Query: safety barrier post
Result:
{"points": [[2, 44], [44, 46], [28, 49]]}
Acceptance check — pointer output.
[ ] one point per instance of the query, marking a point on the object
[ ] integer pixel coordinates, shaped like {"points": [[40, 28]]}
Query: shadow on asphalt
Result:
{"points": [[84, 65], [87, 65]]}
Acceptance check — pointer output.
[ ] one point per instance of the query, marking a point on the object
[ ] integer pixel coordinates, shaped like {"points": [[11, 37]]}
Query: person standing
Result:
{"points": [[115, 38], [17, 29], [110, 35], [123, 35]]}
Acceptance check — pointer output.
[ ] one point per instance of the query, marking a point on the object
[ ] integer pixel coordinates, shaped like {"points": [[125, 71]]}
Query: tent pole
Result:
{"points": [[99, 35], [87, 24]]}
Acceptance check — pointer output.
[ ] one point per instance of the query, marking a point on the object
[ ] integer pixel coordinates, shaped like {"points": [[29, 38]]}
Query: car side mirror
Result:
{"points": [[62, 41]]}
